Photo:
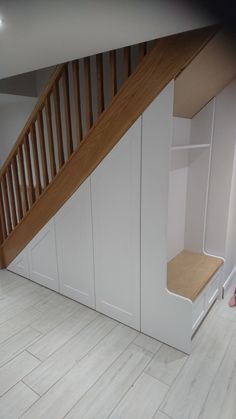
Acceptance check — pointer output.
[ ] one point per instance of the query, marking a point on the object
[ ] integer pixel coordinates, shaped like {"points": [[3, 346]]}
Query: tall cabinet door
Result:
{"points": [[75, 247], [116, 227], [43, 258]]}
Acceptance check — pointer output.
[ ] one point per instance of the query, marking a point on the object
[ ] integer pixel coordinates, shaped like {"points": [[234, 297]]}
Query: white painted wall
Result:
{"points": [[41, 78], [22, 85], [27, 84], [15, 108], [13, 117], [181, 131], [196, 199], [201, 125]]}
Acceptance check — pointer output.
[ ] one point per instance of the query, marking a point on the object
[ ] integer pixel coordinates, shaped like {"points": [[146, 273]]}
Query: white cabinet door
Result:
{"points": [[43, 258], [116, 227], [20, 265], [75, 247]]}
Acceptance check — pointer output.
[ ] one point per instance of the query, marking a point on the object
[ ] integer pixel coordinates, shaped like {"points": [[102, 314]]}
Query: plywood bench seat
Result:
{"points": [[188, 273]]}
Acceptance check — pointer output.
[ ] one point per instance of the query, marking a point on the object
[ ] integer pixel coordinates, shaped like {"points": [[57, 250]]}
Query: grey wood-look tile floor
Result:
{"points": [[59, 359]]}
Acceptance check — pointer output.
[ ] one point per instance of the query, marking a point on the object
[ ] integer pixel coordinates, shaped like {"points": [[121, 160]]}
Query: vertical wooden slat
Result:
{"points": [[1, 233], [11, 196], [142, 50], [76, 88], [66, 92], [88, 93], [145, 48], [17, 188], [112, 76], [56, 98], [42, 149], [127, 62], [38, 187], [100, 87], [2, 216], [23, 179], [50, 137], [6, 204], [31, 190]]}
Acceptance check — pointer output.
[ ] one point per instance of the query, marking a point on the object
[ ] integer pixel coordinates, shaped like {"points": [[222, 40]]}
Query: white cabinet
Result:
{"points": [[75, 247], [20, 265], [43, 258], [198, 311], [205, 300], [116, 228]]}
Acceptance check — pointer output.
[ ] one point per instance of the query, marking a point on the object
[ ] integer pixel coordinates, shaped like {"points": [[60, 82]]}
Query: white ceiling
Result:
{"points": [[41, 33]]}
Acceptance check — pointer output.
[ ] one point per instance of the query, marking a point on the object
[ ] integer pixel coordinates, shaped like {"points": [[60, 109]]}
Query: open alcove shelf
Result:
{"points": [[188, 273]]}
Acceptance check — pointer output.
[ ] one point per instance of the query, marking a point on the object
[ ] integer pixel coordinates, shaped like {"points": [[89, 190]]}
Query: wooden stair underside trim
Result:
{"points": [[164, 62]]}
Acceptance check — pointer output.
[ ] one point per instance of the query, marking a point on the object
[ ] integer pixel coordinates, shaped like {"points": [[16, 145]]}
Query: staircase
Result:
{"points": [[83, 112]]}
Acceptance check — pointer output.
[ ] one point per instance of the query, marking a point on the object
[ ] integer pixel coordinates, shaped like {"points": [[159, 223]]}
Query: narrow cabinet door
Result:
{"points": [[75, 247], [20, 265], [116, 227], [43, 259]]}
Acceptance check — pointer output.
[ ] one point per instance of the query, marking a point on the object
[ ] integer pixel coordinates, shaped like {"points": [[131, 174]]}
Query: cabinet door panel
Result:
{"points": [[20, 265], [116, 226], [43, 259], [75, 248]]}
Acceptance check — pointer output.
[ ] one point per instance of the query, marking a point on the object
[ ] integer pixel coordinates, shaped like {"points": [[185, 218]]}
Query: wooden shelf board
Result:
{"points": [[189, 147], [188, 273]]}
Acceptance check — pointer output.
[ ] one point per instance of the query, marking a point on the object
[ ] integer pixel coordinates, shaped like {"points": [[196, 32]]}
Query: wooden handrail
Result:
{"points": [[47, 164]]}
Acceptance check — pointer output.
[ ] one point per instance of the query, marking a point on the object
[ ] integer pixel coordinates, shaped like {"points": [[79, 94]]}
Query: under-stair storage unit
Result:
{"points": [[130, 242], [128, 191], [179, 280]]}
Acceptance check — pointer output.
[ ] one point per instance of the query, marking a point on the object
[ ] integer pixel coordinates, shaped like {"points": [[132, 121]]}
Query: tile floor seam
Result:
{"points": [[75, 363], [95, 382], [142, 372]]}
